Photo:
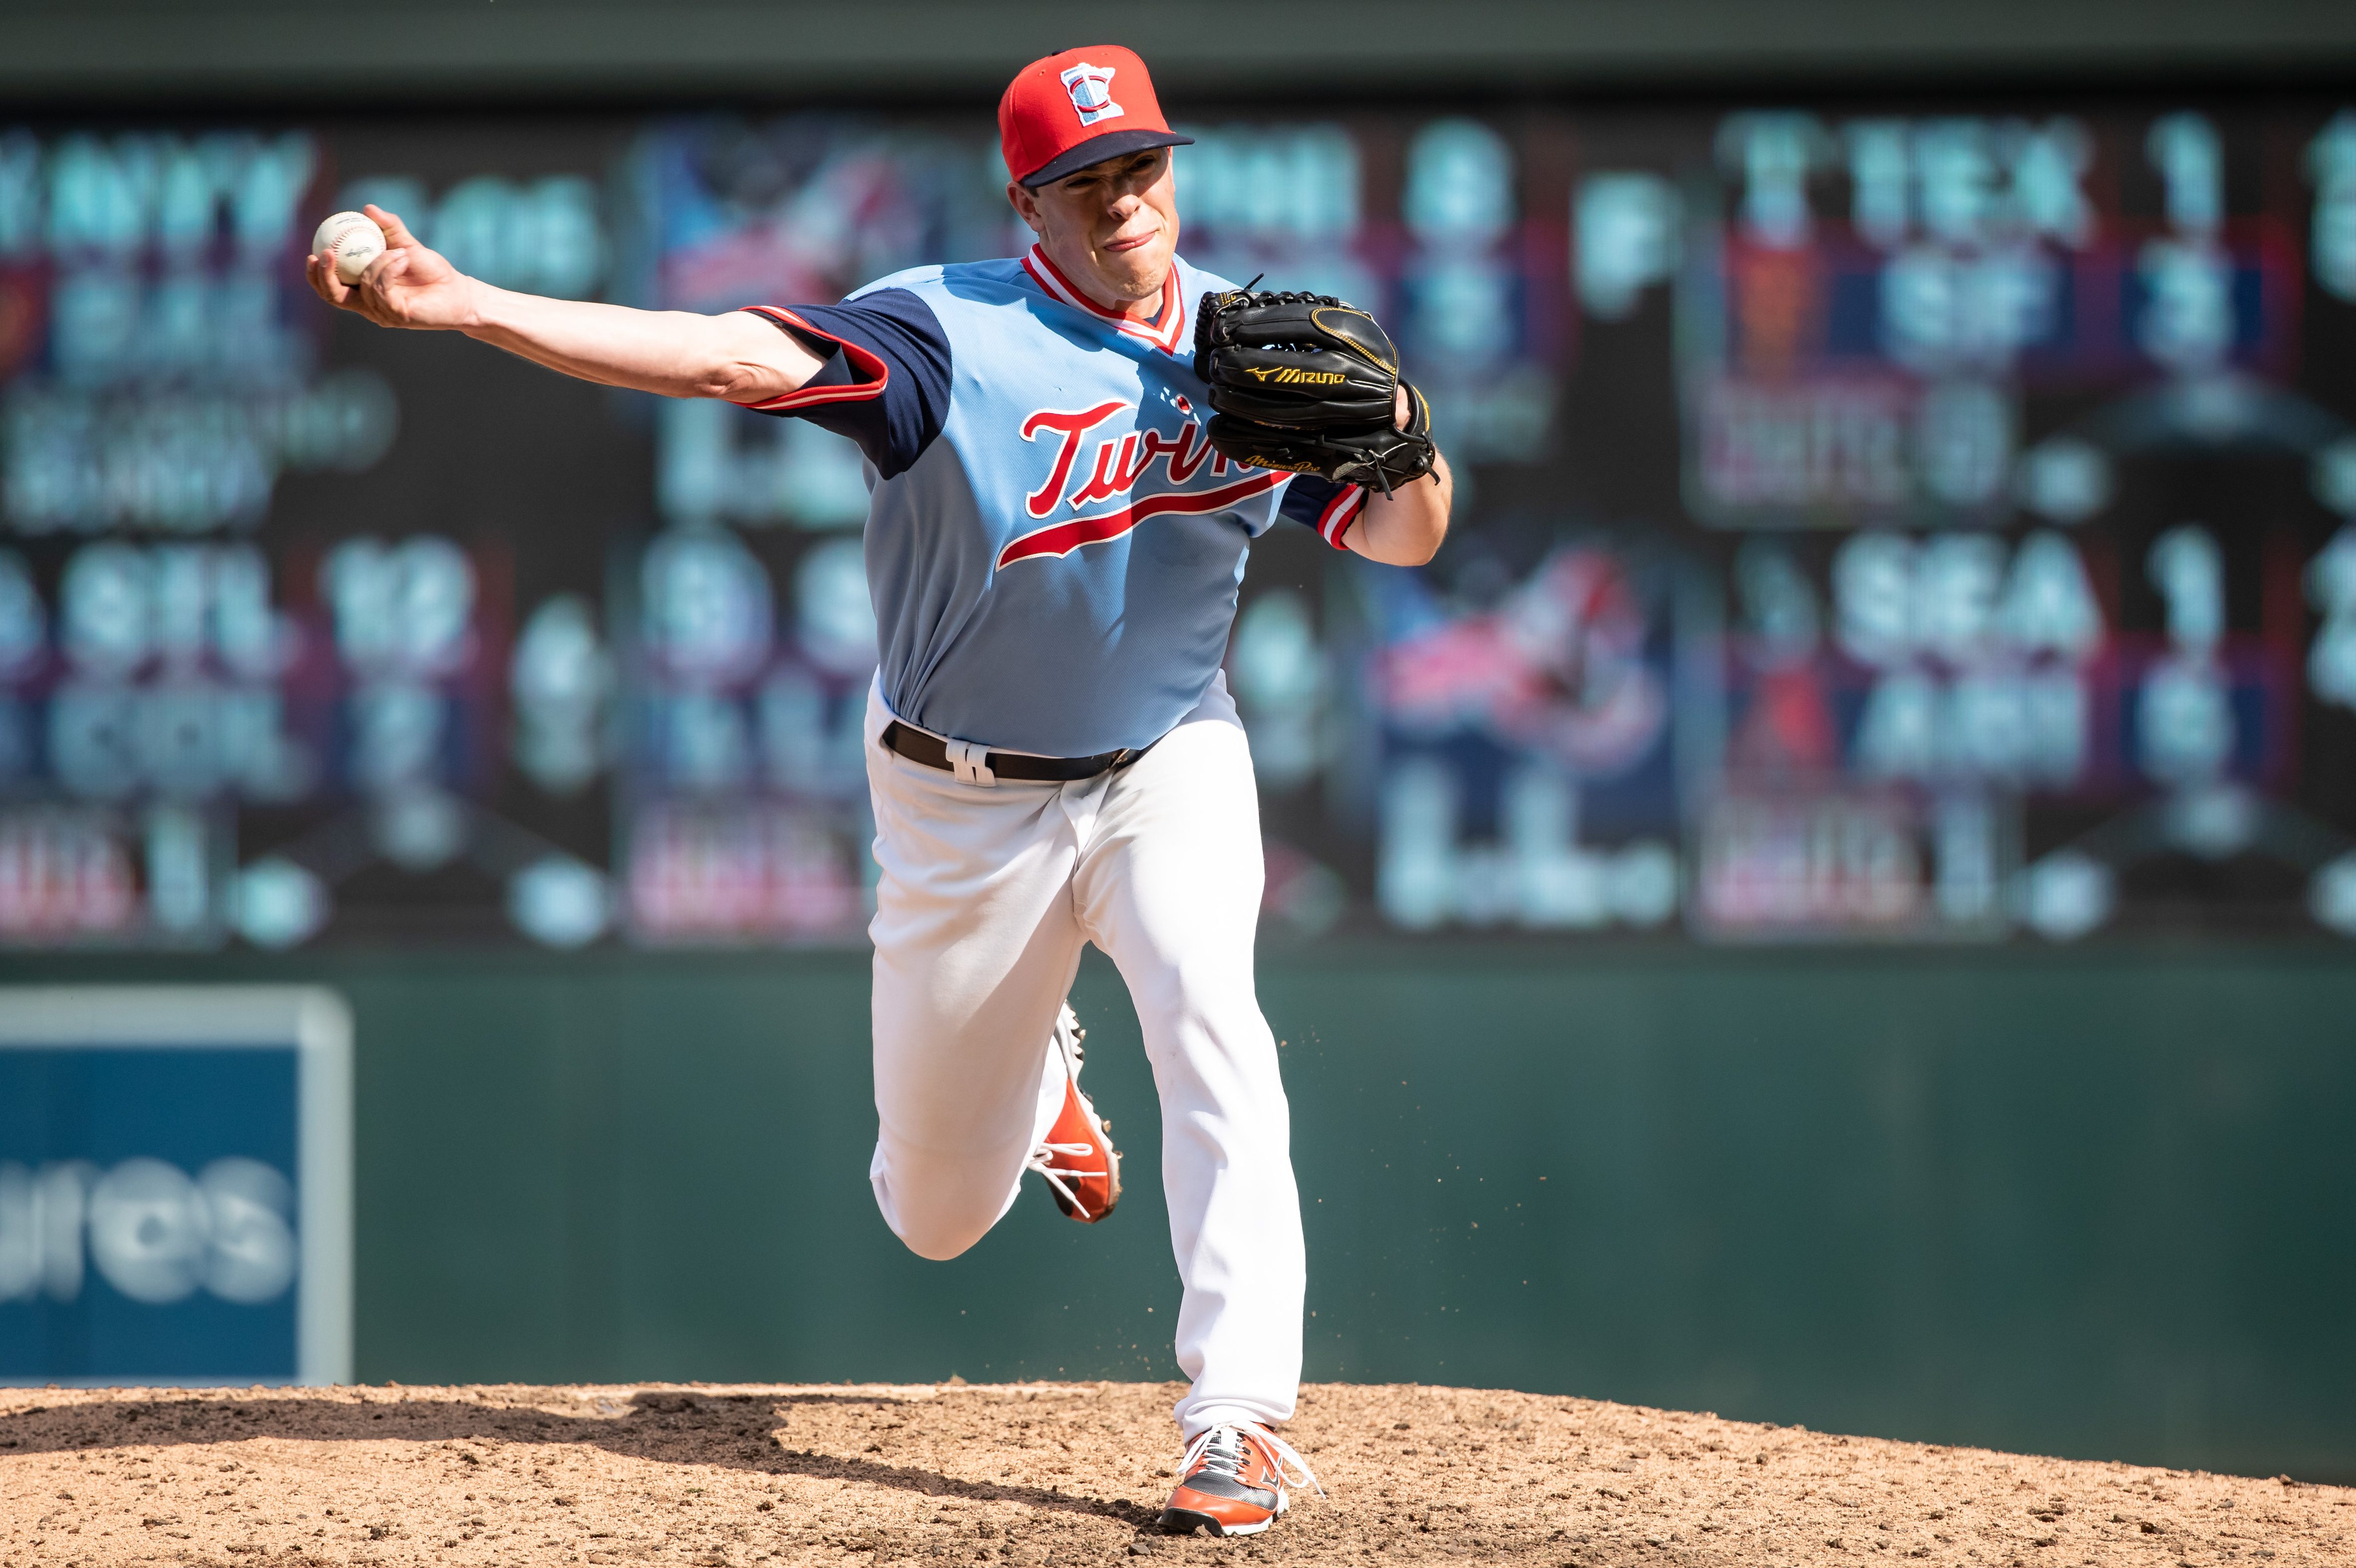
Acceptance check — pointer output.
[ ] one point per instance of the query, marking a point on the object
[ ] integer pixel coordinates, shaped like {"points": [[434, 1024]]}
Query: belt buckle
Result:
{"points": [[971, 762]]}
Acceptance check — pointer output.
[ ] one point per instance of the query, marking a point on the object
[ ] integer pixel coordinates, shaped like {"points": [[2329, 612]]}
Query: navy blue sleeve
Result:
{"points": [[886, 380], [1322, 505]]}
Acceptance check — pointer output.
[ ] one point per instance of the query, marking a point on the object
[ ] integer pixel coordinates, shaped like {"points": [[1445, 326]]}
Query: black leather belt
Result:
{"points": [[934, 752]]}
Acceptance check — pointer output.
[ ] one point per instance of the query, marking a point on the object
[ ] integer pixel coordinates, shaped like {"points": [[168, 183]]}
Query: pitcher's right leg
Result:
{"points": [[976, 946], [1169, 885]]}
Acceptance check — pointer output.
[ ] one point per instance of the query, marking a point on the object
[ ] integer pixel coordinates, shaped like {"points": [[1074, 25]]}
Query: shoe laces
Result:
{"points": [[1042, 1160], [1069, 1039], [1223, 1449]]}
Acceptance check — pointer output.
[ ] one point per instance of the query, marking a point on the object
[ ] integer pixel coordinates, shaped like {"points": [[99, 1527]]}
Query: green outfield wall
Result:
{"points": [[2099, 1203]]}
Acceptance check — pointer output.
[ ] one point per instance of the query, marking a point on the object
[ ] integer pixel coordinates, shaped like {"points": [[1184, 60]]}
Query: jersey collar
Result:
{"points": [[1165, 331]]}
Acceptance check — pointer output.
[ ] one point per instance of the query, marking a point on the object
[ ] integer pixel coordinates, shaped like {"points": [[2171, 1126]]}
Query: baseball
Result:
{"points": [[351, 240]]}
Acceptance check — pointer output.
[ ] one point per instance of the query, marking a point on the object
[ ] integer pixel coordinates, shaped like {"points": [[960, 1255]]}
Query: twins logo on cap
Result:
{"points": [[1091, 90], [1052, 118]]}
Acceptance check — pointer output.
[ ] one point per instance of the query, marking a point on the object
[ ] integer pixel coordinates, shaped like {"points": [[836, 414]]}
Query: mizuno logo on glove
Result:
{"points": [[1307, 384]]}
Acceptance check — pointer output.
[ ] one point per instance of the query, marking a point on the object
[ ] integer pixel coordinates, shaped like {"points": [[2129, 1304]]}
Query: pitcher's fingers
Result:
{"points": [[368, 300], [396, 232], [320, 273], [379, 280], [386, 275], [382, 271]]}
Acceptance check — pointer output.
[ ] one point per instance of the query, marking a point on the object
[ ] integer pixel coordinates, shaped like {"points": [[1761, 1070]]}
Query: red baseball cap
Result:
{"points": [[1078, 108]]}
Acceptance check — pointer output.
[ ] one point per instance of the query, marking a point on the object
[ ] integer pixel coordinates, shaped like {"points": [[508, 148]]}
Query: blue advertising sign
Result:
{"points": [[175, 1185]]}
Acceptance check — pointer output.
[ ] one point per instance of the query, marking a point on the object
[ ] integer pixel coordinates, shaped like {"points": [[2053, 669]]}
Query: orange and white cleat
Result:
{"points": [[1236, 1480], [1082, 1167]]}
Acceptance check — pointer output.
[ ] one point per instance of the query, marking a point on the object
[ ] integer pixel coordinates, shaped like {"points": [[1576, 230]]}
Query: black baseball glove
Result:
{"points": [[1305, 383]]}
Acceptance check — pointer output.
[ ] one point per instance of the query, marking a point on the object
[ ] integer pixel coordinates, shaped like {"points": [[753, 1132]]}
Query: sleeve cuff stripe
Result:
{"points": [[875, 372], [1339, 514]]}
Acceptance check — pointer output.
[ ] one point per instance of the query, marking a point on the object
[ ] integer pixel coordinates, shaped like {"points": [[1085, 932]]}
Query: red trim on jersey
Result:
{"points": [[874, 368], [1163, 331], [1063, 538], [1340, 512]]}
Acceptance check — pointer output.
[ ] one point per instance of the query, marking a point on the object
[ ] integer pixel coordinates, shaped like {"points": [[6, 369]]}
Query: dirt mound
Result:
{"points": [[1054, 1472]]}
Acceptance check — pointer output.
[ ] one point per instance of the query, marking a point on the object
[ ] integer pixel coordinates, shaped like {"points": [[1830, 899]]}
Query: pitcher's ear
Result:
{"points": [[1026, 207]]}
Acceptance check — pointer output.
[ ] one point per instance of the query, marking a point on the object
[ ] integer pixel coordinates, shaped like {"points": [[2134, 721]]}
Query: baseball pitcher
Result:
{"points": [[1068, 455]]}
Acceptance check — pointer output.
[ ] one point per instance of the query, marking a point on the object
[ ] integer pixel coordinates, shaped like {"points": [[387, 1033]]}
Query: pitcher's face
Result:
{"points": [[1112, 227]]}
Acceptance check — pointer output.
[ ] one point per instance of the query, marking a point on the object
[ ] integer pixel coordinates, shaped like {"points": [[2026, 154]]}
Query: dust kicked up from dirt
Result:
{"points": [[1061, 1474]]}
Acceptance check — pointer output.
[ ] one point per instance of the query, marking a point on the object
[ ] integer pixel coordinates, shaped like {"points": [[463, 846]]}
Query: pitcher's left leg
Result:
{"points": [[1169, 885]]}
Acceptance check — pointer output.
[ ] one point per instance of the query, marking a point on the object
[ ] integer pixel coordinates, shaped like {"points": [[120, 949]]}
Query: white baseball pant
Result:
{"points": [[987, 894]]}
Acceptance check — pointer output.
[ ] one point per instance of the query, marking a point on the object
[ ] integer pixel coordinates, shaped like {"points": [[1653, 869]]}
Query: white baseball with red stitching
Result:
{"points": [[350, 241]]}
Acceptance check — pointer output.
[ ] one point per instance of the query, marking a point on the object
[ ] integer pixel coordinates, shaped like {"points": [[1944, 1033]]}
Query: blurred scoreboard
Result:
{"points": [[1936, 523]]}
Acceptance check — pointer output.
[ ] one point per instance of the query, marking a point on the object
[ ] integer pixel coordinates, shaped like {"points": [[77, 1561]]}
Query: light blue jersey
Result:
{"points": [[1052, 548]]}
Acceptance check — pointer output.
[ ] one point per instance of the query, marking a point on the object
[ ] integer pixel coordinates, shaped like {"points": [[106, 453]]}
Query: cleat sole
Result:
{"points": [[1185, 1521]]}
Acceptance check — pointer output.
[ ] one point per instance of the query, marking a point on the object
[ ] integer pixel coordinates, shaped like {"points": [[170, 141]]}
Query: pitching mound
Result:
{"points": [[1054, 1472]]}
